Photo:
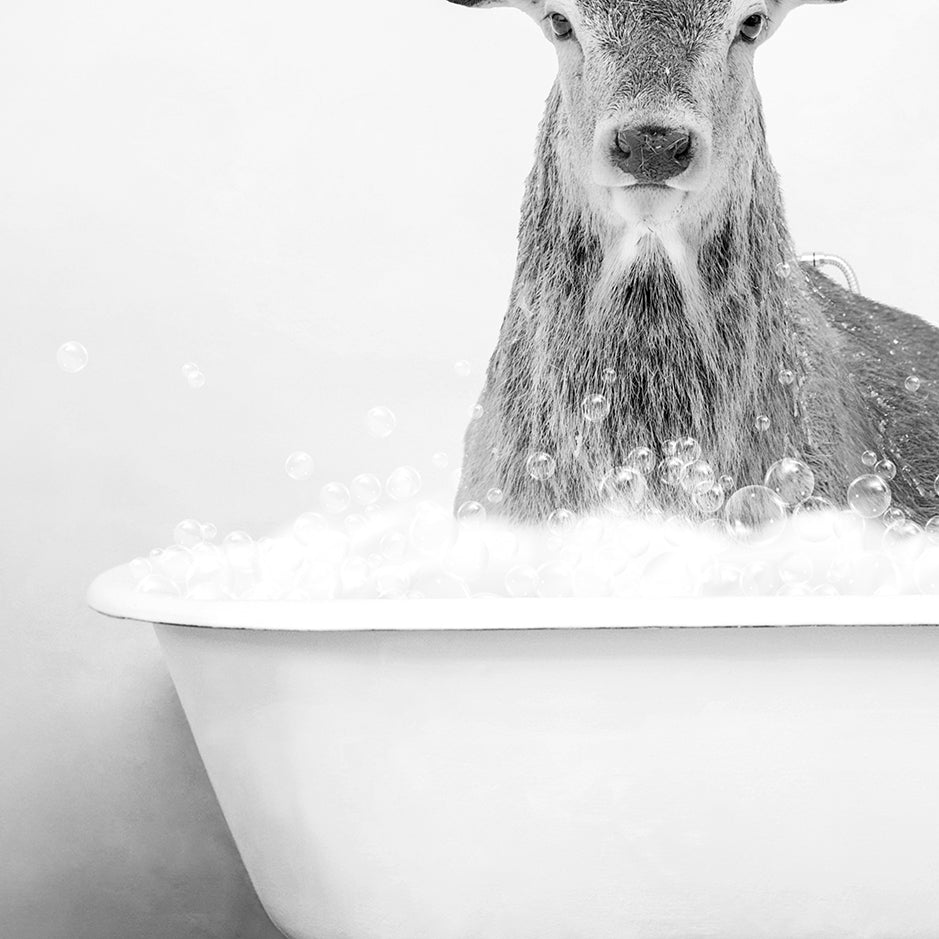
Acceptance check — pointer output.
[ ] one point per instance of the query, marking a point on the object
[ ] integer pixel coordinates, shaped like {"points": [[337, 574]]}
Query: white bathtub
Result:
{"points": [[535, 769]]}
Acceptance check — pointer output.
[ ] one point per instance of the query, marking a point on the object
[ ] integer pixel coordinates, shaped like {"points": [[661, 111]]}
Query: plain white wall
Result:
{"points": [[318, 204]]}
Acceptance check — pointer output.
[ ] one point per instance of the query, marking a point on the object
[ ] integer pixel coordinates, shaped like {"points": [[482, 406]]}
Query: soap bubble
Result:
{"points": [[495, 496], [393, 545], [893, 516], [335, 498], [240, 550], [209, 531], [697, 475], [727, 483], [791, 480], [175, 562], [471, 513], [904, 540], [187, 533], [642, 459], [365, 489], [555, 579], [688, 450], [708, 499], [158, 584], [521, 581], [762, 423], [561, 521], [886, 469], [595, 408], [72, 357], [869, 458], [624, 488], [440, 460], [755, 515], [609, 376], [869, 496], [195, 380], [380, 422], [190, 368], [477, 412], [355, 524], [671, 469], [432, 529], [813, 519], [299, 465], [932, 529], [308, 525], [783, 270], [786, 376], [913, 383], [404, 483], [541, 466], [462, 368]]}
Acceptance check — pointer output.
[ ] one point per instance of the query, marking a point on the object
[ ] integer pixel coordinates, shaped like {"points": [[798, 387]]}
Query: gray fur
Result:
{"points": [[702, 363]]}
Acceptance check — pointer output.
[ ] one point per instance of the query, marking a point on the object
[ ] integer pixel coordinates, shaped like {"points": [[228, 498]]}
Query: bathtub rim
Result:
{"points": [[113, 594]]}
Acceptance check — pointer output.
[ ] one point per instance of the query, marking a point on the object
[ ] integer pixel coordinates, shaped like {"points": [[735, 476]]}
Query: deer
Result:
{"points": [[659, 318]]}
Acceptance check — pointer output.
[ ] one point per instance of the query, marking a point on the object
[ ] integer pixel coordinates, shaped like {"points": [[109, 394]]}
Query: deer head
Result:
{"points": [[660, 110]]}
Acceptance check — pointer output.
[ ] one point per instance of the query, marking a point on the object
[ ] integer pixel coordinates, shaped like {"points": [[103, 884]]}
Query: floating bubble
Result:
{"points": [[209, 532], [596, 408], [869, 458], [521, 581], [471, 512], [190, 368], [404, 483], [932, 530], [335, 498], [195, 380], [495, 496], [688, 450], [187, 533], [762, 423], [477, 412], [727, 483], [380, 422], [365, 489], [786, 376], [886, 469], [671, 470], [755, 515], [783, 270], [697, 475], [561, 521], [642, 459], [440, 460], [462, 368], [893, 516], [913, 383], [791, 480], [905, 540], [624, 488], [708, 499], [609, 376], [355, 524], [869, 496], [541, 466], [72, 357], [299, 465]]}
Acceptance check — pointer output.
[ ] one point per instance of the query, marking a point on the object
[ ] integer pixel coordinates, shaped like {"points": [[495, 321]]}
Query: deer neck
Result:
{"points": [[697, 320]]}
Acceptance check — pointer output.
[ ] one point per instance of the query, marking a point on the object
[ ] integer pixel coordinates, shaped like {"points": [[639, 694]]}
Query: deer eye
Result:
{"points": [[561, 26], [752, 26]]}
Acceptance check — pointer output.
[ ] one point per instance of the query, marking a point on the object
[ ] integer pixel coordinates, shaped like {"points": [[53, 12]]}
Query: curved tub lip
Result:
{"points": [[113, 594]]}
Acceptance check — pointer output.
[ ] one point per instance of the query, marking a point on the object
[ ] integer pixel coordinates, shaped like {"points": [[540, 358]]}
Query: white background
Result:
{"points": [[317, 203]]}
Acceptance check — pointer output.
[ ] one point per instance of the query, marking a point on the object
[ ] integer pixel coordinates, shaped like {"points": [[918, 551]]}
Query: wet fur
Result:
{"points": [[697, 352]]}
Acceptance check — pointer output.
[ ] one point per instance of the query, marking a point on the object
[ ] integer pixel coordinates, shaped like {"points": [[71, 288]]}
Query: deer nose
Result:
{"points": [[653, 154]]}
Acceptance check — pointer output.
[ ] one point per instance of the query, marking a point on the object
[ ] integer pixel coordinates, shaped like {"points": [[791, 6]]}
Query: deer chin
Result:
{"points": [[647, 206]]}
